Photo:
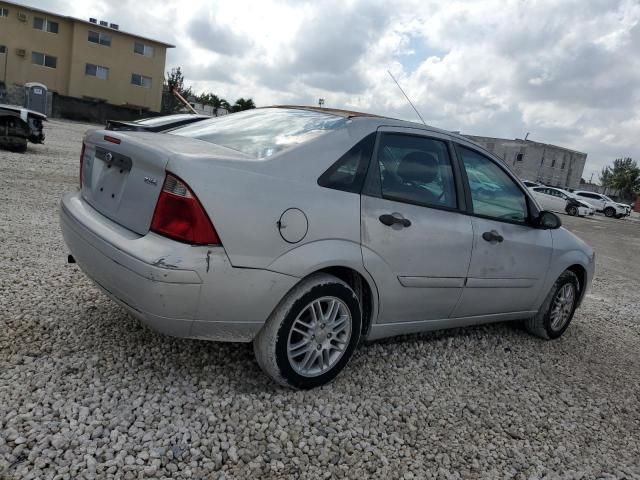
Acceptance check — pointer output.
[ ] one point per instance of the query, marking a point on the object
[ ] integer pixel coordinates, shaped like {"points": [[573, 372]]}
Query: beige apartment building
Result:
{"points": [[85, 59]]}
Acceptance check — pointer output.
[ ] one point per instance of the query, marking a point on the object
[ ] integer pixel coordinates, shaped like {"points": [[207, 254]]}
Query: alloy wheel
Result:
{"points": [[319, 336], [562, 306]]}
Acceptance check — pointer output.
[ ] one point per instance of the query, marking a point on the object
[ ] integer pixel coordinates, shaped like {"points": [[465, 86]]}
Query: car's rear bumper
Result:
{"points": [[177, 289]]}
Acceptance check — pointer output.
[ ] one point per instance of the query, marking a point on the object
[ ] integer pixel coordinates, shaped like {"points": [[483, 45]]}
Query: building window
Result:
{"points": [[140, 80], [553, 163], [519, 157], [40, 23], [4, 12], [3, 49], [564, 163], [44, 60], [99, 38], [96, 71], [142, 49]]}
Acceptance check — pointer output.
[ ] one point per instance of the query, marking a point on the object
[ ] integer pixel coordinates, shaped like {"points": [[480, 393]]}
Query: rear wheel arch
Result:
{"points": [[363, 289]]}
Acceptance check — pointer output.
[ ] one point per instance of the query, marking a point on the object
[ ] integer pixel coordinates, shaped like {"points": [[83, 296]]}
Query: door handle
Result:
{"points": [[492, 236], [389, 220]]}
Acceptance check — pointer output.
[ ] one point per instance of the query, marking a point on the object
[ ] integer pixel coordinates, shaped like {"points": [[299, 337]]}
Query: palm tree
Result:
{"points": [[243, 104]]}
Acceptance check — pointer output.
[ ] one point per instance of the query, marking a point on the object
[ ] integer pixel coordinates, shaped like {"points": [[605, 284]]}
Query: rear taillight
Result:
{"points": [[81, 163], [179, 215]]}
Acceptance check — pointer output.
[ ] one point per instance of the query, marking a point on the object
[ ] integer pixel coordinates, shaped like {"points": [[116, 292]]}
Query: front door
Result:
{"points": [[510, 258], [415, 243]]}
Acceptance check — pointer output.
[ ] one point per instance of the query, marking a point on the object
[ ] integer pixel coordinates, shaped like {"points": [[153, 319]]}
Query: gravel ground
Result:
{"points": [[86, 392]]}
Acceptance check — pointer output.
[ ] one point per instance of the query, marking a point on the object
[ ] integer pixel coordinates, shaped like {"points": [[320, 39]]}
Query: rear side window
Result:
{"points": [[263, 132], [416, 169], [493, 193], [348, 173]]}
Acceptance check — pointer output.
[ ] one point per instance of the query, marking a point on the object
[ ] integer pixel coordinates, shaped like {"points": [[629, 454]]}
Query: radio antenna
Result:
{"points": [[405, 96]]}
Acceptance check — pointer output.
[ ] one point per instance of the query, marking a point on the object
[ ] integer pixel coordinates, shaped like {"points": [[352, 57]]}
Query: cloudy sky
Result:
{"points": [[567, 71]]}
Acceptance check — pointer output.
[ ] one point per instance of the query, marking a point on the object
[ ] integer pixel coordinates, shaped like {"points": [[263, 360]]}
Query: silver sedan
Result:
{"points": [[309, 230]]}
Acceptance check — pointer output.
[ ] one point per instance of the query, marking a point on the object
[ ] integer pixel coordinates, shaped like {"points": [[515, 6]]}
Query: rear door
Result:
{"points": [[541, 194], [593, 199], [415, 242], [510, 258]]}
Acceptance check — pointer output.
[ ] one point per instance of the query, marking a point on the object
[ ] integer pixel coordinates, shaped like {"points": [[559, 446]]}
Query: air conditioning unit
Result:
{"points": [[22, 16], [93, 20], [115, 26], [104, 23], [20, 52]]}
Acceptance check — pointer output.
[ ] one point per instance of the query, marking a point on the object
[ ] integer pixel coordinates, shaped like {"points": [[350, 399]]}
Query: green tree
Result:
{"points": [[243, 104], [174, 81], [623, 176]]}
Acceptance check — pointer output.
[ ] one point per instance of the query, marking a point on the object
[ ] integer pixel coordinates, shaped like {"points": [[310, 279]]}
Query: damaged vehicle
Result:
{"points": [[307, 230], [20, 125]]}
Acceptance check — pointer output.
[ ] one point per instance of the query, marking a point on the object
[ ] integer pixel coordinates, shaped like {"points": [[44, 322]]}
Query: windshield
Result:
{"points": [[263, 132]]}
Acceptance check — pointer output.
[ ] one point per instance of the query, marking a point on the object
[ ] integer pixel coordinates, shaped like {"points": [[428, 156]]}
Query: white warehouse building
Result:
{"points": [[541, 162]]}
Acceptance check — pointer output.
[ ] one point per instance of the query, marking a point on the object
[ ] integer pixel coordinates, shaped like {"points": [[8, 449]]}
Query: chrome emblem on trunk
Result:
{"points": [[108, 157], [150, 181]]}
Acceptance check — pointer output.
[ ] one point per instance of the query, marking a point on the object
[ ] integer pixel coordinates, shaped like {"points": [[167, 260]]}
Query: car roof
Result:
{"points": [[389, 121]]}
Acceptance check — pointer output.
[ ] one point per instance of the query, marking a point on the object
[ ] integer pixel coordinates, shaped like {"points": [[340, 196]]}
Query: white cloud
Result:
{"points": [[567, 71]]}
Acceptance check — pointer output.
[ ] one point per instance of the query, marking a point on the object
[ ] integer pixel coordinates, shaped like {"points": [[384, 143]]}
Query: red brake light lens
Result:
{"points": [[180, 216], [81, 162]]}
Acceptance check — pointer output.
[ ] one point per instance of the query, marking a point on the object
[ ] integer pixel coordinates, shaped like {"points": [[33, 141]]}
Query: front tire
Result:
{"points": [[312, 333], [573, 211], [557, 310], [609, 212]]}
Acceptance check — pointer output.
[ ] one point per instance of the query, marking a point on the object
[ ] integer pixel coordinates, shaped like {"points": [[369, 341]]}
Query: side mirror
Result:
{"points": [[548, 221]]}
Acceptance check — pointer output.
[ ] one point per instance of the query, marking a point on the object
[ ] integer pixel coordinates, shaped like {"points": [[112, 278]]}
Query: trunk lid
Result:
{"points": [[123, 173]]}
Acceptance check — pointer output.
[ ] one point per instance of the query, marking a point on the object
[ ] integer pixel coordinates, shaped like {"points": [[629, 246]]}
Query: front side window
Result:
{"points": [[416, 169], [140, 80], [43, 59], [96, 71], [99, 38], [493, 193], [264, 132]]}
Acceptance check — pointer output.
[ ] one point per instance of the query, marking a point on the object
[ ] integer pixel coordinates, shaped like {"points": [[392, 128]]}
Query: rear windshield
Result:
{"points": [[263, 132]]}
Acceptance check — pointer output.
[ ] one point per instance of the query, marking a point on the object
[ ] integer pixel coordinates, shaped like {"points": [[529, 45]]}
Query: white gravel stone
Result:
{"points": [[87, 392]]}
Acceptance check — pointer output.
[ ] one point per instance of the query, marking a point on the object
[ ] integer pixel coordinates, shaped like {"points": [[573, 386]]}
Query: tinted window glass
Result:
{"points": [[263, 132], [52, 27], [493, 193], [348, 172], [93, 37], [416, 170]]}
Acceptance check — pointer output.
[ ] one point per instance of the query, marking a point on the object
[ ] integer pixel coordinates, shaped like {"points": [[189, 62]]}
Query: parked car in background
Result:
{"points": [[306, 230], [604, 204], [529, 184], [156, 124], [19, 125], [558, 200]]}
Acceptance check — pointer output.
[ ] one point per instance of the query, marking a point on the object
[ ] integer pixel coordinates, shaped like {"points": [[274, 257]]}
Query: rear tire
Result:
{"points": [[312, 333], [609, 212], [555, 314]]}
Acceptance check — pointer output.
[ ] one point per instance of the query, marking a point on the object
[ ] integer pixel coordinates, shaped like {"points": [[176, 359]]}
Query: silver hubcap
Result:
{"points": [[319, 336], [562, 306]]}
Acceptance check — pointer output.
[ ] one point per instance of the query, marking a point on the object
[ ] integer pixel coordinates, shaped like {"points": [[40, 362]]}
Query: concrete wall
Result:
{"points": [[545, 163], [84, 110], [73, 51]]}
